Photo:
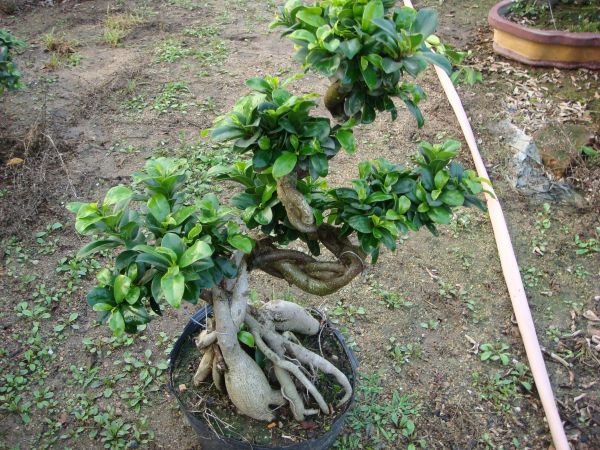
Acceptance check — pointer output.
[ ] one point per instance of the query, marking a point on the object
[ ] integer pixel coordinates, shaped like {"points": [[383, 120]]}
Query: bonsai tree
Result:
{"points": [[174, 248]]}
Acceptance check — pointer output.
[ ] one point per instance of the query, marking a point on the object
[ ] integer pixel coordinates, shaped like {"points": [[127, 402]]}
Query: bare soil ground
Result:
{"points": [[97, 111]]}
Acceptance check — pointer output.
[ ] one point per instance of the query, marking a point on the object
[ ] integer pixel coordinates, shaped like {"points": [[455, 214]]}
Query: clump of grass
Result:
{"points": [[59, 43], [62, 50], [170, 51], [202, 31], [212, 54], [170, 99], [118, 26]]}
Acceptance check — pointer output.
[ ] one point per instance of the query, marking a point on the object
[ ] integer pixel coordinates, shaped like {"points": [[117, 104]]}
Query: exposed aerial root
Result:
{"points": [[273, 326], [205, 367]]}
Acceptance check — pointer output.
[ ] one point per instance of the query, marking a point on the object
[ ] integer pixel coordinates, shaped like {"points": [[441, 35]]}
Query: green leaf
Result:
{"points": [[440, 214], [183, 213], [173, 242], [284, 164], [199, 250], [246, 337], [259, 84], [361, 223], [311, 16], [319, 165], [403, 204], [369, 74], [264, 216], [100, 307], [440, 179], [227, 132], [173, 287], [391, 66], [133, 295], [159, 207], [117, 194], [241, 242], [121, 287], [452, 198], [426, 22], [303, 35], [414, 110], [438, 60], [116, 322], [373, 10], [378, 197], [346, 139], [97, 246], [350, 48]]}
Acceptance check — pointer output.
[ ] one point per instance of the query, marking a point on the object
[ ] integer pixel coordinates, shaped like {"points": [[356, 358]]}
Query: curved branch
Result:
{"points": [[299, 212], [309, 274]]}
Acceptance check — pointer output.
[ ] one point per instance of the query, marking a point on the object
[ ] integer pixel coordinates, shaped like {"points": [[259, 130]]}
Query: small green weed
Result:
{"points": [[190, 5], [390, 300], [498, 352], [170, 51], [48, 245], [212, 54], [542, 224], [347, 311], [202, 31], [170, 99], [430, 324], [532, 276], [592, 245], [136, 103], [503, 390], [402, 354], [380, 420]]}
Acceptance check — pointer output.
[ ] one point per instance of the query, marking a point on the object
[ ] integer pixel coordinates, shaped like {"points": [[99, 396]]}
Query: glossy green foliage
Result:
{"points": [[388, 199], [170, 250], [370, 47], [277, 128], [259, 205], [10, 76]]}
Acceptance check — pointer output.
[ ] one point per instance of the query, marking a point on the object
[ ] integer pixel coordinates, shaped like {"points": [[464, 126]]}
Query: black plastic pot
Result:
{"points": [[209, 440]]}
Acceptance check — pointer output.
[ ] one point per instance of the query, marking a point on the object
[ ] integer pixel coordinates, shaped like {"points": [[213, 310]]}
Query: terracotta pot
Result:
{"points": [[542, 47]]}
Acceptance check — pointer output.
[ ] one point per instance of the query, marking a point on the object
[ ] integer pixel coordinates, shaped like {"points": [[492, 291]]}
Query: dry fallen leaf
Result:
{"points": [[591, 315], [272, 425], [182, 388], [14, 162]]}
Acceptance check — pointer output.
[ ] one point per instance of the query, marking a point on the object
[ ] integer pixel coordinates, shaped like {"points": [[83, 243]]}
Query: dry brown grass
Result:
{"points": [[33, 174], [118, 26]]}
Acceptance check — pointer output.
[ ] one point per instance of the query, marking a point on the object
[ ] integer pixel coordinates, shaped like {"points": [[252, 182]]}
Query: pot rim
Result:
{"points": [[497, 20]]}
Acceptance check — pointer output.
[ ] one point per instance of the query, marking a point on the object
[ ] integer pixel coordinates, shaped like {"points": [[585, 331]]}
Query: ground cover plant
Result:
{"points": [[173, 250], [10, 76]]}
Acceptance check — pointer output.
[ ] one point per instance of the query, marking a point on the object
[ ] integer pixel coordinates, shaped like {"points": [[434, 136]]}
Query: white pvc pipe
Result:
{"points": [[510, 269]]}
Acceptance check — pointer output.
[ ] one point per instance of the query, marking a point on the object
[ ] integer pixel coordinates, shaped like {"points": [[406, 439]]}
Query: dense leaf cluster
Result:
{"points": [[276, 126], [10, 76], [389, 199], [170, 250], [369, 47]]}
